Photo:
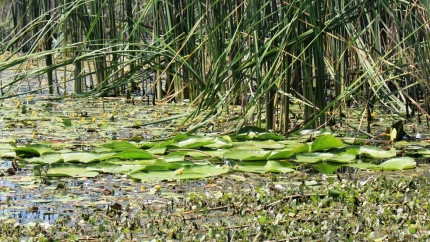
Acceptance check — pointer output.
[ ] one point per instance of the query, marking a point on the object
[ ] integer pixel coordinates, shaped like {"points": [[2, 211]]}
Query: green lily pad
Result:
{"points": [[376, 152], [281, 154], [288, 152], [311, 158], [252, 132], [326, 168], [245, 155], [266, 144], [365, 166], [276, 167], [326, 142], [72, 170], [353, 149], [269, 136], [175, 157], [197, 154], [82, 157], [157, 150], [33, 150], [342, 158], [199, 171], [131, 162], [46, 159], [119, 145], [253, 167], [106, 167], [220, 143], [132, 155], [400, 163], [152, 176], [194, 142]]}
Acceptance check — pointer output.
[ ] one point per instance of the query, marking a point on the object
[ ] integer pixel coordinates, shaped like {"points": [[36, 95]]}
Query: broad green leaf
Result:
{"points": [[132, 155], [131, 162], [126, 149], [311, 158], [276, 167], [152, 175], [119, 145], [184, 173], [164, 143], [365, 166], [281, 154], [288, 152], [220, 142], [199, 171], [245, 155], [175, 157], [107, 167], [72, 170], [104, 167], [207, 154], [33, 150], [194, 142], [399, 163], [266, 144], [83, 157], [342, 158], [326, 142], [157, 150], [269, 136], [46, 159], [376, 152], [353, 149], [180, 137], [251, 168], [326, 168]]}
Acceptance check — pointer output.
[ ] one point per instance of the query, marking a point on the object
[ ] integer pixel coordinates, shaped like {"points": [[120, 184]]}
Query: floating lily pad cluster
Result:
{"points": [[195, 157]]}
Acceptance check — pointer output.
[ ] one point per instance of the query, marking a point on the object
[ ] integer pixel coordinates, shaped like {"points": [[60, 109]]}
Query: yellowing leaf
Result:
{"points": [[393, 134]]}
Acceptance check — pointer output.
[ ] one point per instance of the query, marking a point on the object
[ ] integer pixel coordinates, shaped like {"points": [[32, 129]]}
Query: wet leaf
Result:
{"points": [[194, 142], [119, 145], [82, 157], [376, 152], [288, 152], [220, 142], [326, 142], [245, 155], [326, 168], [72, 170], [33, 150], [277, 167], [152, 176], [342, 158], [46, 159], [400, 163], [365, 166], [132, 155], [198, 172], [312, 157]]}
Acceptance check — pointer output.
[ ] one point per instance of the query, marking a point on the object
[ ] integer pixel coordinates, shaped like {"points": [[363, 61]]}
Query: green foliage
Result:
{"points": [[326, 142]]}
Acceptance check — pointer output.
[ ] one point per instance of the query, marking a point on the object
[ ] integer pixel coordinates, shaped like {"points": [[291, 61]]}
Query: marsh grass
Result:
{"points": [[261, 55]]}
